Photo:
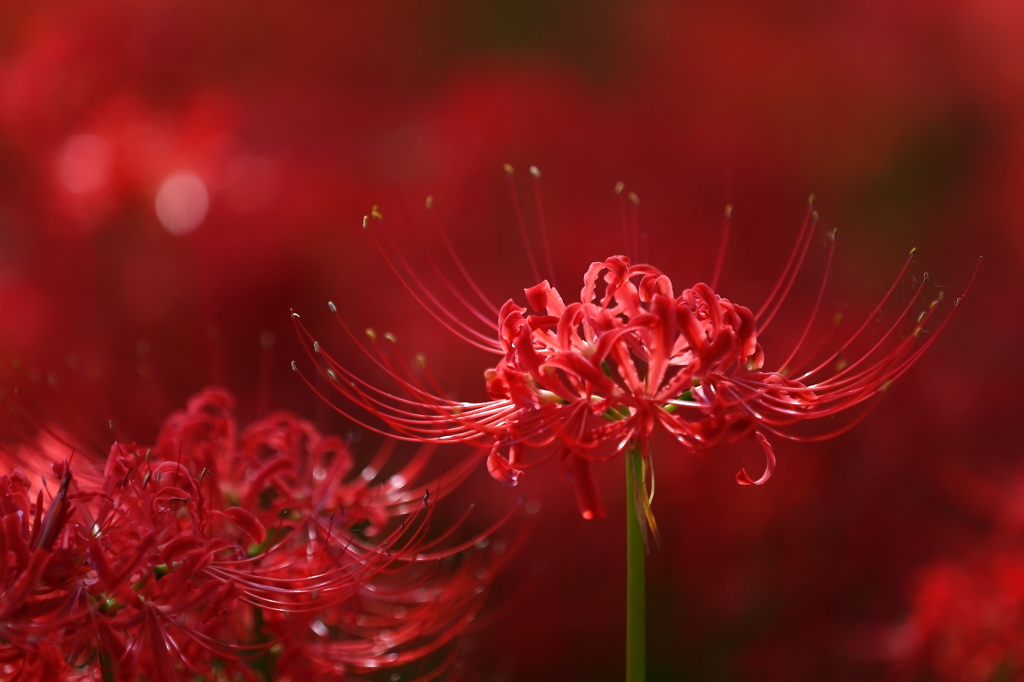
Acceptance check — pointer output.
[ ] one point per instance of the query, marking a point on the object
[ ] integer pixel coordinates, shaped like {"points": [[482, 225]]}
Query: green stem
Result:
{"points": [[635, 552], [266, 662]]}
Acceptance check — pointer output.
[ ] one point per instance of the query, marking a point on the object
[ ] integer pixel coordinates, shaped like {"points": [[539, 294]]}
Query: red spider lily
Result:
{"points": [[218, 554], [589, 379]]}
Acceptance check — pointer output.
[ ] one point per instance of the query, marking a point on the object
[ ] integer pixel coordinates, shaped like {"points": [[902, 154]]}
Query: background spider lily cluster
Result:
{"points": [[175, 177], [254, 553]]}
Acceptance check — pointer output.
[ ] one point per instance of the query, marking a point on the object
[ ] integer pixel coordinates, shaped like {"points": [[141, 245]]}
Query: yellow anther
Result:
{"points": [[508, 168], [430, 202], [375, 212], [372, 334], [619, 186], [634, 198]]}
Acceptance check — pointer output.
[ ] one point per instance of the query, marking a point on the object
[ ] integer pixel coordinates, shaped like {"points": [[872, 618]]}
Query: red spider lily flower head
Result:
{"points": [[587, 379], [259, 553]]}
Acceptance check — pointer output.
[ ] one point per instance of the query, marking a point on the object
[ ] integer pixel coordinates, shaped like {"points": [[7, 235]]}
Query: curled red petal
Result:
{"points": [[501, 470], [249, 524], [741, 476]]}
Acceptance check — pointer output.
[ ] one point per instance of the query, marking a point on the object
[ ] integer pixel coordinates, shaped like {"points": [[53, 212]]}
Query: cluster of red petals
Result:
{"points": [[589, 379], [610, 367], [219, 554]]}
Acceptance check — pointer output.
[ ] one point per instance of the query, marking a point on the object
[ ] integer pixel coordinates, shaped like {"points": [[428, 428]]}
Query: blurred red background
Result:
{"points": [[175, 177]]}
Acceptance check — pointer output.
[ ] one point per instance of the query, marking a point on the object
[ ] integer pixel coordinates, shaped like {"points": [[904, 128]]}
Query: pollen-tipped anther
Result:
{"points": [[534, 171], [508, 168]]}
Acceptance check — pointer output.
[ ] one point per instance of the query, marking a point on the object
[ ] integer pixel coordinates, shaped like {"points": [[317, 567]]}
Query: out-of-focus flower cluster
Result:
{"points": [[966, 612], [966, 621], [219, 553]]}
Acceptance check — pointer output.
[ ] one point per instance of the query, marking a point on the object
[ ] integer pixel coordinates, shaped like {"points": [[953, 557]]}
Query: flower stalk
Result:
{"points": [[635, 579]]}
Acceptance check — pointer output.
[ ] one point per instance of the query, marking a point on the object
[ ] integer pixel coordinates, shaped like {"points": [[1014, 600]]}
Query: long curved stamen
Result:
{"points": [[793, 263], [720, 258], [458, 261], [510, 173], [867, 321], [889, 333], [817, 303], [634, 224], [543, 226], [456, 293], [449, 321], [792, 276], [620, 188]]}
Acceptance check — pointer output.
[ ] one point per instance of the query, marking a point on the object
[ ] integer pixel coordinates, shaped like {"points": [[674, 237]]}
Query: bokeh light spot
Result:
{"points": [[182, 203]]}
